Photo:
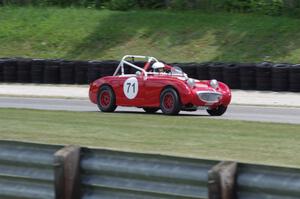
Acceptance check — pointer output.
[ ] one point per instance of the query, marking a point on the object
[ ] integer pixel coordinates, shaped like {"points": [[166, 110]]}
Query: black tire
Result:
{"points": [[264, 76], [202, 71], [151, 109], [93, 71], [1, 70], [173, 106], [294, 74], [108, 67], [106, 103], [10, 70], [67, 72], [190, 69], [37, 70], [80, 75], [216, 71], [280, 77], [23, 70], [220, 110], [231, 75], [51, 74], [248, 76]]}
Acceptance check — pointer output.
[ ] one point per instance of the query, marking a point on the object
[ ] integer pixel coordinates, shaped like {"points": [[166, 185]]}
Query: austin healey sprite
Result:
{"points": [[158, 86]]}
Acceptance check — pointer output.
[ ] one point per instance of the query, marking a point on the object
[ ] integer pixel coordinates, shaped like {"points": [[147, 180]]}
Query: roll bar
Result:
{"points": [[123, 61]]}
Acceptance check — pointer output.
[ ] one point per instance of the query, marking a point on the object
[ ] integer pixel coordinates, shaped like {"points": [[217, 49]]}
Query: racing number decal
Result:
{"points": [[131, 87]]}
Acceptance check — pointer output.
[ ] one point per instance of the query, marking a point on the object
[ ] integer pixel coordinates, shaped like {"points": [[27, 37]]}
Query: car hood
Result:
{"points": [[200, 85]]}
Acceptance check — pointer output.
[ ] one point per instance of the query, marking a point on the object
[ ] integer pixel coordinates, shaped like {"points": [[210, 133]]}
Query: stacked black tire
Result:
{"points": [[108, 68], [216, 71], [203, 70], [52, 71], [37, 70], [94, 71], [190, 69], [264, 76], [10, 67], [80, 76], [67, 72], [1, 69], [280, 77], [24, 70], [231, 75], [246, 76], [294, 78]]}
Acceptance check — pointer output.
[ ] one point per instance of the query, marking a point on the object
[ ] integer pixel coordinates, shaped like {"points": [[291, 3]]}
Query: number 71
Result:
{"points": [[130, 85]]}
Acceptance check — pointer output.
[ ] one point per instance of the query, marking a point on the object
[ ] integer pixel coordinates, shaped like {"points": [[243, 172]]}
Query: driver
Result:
{"points": [[158, 67]]}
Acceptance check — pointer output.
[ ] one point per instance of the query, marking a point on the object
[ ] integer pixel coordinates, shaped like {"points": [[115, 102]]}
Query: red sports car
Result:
{"points": [[158, 86]]}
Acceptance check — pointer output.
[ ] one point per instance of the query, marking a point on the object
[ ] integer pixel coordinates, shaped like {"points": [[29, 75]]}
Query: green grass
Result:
{"points": [[78, 33], [192, 136]]}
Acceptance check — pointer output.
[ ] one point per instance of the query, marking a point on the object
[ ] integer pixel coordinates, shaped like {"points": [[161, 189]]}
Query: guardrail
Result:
{"points": [[246, 76], [130, 175], [35, 171], [26, 170], [255, 181]]}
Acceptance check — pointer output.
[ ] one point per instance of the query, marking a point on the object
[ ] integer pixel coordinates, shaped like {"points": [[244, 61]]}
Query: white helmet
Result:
{"points": [[158, 65]]}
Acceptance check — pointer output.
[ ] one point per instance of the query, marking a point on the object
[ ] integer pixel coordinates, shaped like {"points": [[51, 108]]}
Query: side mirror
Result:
{"points": [[138, 73]]}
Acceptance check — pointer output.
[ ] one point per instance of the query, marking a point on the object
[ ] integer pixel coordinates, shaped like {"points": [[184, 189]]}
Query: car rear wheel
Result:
{"points": [[170, 102], [150, 109], [106, 99], [220, 110]]}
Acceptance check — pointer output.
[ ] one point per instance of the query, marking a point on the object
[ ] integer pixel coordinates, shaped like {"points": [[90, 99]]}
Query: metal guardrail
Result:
{"points": [[35, 171], [255, 182], [26, 170], [112, 174]]}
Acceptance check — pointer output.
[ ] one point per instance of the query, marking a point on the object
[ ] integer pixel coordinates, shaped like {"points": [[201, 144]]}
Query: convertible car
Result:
{"points": [[156, 86]]}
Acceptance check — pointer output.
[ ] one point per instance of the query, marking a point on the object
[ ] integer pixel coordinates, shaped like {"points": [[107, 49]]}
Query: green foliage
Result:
{"points": [[152, 4], [60, 3], [122, 5], [267, 7], [178, 4], [236, 5]]}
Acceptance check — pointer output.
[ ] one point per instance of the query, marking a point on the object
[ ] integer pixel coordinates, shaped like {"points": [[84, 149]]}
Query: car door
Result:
{"points": [[130, 91], [153, 86]]}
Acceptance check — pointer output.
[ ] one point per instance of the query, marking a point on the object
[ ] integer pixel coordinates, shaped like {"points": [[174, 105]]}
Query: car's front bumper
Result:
{"points": [[210, 98]]}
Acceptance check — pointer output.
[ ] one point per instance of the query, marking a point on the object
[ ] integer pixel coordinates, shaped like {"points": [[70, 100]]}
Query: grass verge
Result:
{"points": [[192, 136], [79, 33]]}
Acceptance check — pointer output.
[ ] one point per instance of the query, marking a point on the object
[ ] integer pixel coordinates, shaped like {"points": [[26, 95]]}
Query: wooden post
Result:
{"points": [[222, 181], [67, 173]]}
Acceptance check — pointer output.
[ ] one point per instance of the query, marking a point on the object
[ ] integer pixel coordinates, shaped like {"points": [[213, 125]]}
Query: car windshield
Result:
{"points": [[177, 71]]}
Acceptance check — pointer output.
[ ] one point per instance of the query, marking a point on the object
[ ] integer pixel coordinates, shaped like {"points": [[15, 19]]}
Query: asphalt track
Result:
{"points": [[234, 112]]}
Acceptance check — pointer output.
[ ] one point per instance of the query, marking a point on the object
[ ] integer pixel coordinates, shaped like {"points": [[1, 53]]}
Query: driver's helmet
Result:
{"points": [[157, 66]]}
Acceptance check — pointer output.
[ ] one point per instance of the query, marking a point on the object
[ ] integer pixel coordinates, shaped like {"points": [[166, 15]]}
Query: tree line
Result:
{"points": [[267, 7]]}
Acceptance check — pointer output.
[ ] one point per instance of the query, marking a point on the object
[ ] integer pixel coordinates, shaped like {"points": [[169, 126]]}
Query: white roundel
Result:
{"points": [[131, 87]]}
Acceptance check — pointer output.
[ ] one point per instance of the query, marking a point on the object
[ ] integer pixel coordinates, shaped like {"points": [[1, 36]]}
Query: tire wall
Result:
{"points": [[246, 76]]}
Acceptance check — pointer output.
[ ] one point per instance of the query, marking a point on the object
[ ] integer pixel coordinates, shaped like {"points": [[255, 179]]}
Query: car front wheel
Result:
{"points": [[106, 99], [220, 110], [170, 102]]}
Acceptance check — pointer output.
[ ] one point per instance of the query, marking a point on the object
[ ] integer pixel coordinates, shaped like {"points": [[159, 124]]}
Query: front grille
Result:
{"points": [[211, 97]]}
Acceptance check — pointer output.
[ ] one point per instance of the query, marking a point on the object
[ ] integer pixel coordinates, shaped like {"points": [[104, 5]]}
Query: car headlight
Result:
{"points": [[191, 82], [214, 83]]}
